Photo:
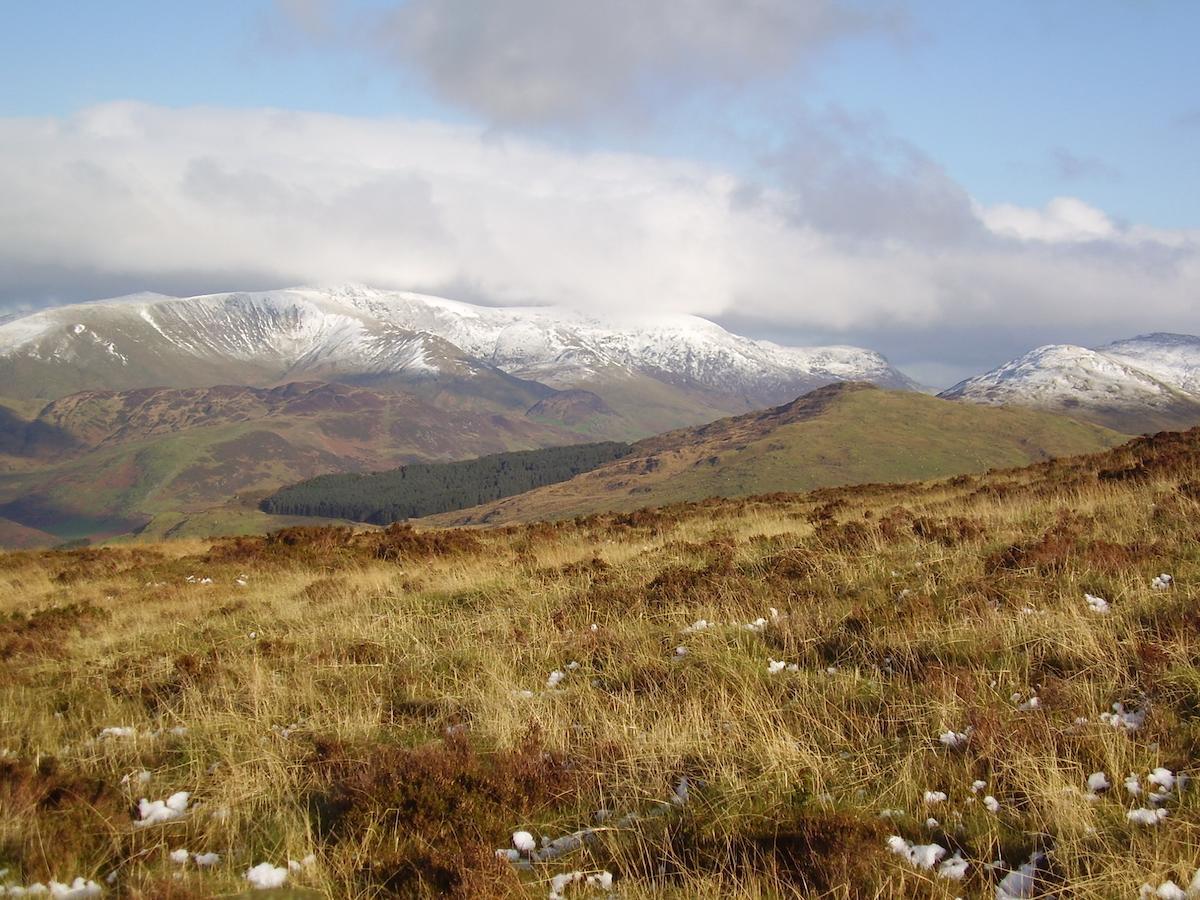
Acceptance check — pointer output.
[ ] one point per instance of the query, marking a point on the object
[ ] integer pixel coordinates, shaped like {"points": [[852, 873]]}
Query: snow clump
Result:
{"points": [[1096, 604], [955, 740], [524, 842], [159, 812], [954, 868], [1120, 717], [118, 731], [559, 883], [1165, 779], [76, 890], [1019, 884], [1144, 816], [265, 876], [923, 856]]}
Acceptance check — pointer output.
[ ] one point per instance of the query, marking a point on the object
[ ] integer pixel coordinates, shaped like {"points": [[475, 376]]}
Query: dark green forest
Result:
{"points": [[423, 489]]}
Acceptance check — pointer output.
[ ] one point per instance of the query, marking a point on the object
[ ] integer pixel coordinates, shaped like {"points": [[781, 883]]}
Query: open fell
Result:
{"points": [[398, 703], [850, 433], [102, 463]]}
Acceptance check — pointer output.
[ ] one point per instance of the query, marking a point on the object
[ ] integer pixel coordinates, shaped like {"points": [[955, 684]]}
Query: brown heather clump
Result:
{"points": [[43, 630], [384, 699], [432, 808]]}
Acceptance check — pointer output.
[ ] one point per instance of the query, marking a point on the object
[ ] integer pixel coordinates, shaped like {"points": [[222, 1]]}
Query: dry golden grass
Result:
{"points": [[360, 697]]}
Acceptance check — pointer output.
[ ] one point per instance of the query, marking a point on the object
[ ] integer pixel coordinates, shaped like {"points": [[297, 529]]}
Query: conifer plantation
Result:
{"points": [[413, 491]]}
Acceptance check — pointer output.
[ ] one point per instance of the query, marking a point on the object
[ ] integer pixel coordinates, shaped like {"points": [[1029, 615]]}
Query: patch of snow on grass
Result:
{"points": [[159, 812], [1144, 816], [955, 740], [1096, 604], [265, 876]]}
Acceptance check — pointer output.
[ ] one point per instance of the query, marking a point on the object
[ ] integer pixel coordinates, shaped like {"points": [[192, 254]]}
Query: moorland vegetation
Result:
{"points": [[873, 691]]}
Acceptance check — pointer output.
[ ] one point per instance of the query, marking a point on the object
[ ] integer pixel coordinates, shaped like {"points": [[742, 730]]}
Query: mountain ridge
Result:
{"points": [[1147, 383], [355, 333]]}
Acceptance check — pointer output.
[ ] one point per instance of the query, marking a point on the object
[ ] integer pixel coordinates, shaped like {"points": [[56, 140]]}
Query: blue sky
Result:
{"points": [[950, 182], [997, 91], [1020, 101]]}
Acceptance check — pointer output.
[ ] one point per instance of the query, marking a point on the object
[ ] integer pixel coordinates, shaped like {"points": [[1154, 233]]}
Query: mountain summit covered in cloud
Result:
{"points": [[837, 229], [359, 334]]}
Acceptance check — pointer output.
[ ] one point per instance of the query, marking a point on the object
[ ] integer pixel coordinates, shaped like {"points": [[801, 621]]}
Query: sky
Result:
{"points": [[949, 183]]}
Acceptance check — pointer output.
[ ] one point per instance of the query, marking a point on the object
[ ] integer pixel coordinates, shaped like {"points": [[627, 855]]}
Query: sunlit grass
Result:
{"points": [[381, 702]]}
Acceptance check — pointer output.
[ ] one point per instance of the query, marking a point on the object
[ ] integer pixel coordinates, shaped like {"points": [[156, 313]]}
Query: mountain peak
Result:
{"points": [[355, 331], [1149, 382]]}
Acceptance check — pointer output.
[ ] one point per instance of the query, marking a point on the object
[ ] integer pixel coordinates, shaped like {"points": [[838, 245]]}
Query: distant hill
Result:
{"points": [[103, 463], [651, 373], [837, 435], [15, 536], [1143, 384]]}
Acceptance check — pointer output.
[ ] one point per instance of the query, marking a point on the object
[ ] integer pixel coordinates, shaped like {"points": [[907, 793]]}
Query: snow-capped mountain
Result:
{"points": [[1174, 359], [276, 331], [357, 332], [561, 347], [1144, 383]]}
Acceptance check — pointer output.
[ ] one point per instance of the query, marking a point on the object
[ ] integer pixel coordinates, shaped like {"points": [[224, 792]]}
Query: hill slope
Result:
{"points": [[102, 463], [842, 434], [1144, 384], [888, 691], [411, 491]]}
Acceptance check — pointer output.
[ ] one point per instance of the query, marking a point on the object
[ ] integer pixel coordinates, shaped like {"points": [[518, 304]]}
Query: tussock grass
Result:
{"points": [[379, 699]]}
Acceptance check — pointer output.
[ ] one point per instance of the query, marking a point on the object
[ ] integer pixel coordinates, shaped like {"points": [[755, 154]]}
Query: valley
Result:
{"points": [[150, 413]]}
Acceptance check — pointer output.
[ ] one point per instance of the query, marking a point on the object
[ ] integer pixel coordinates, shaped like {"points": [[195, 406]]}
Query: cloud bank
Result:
{"points": [[566, 62], [836, 233]]}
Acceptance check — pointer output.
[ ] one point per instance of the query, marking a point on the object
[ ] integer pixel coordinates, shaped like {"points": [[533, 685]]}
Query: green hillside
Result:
{"points": [[844, 434], [101, 464], [425, 489]]}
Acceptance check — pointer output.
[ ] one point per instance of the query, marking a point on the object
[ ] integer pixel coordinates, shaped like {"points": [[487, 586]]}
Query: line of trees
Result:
{"points": [[424, 489]]}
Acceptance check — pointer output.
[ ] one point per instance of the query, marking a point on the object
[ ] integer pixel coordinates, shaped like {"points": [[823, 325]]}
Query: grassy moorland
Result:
{"points": [[740, 698], [848, 433]]}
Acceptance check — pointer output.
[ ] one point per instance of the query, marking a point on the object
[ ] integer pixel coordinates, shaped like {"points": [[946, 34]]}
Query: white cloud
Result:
{"points": [[140, 197], [1062, 219]]}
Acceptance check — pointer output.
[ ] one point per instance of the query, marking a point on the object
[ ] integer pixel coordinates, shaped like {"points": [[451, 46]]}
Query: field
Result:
{"points": [[757, 698]]}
